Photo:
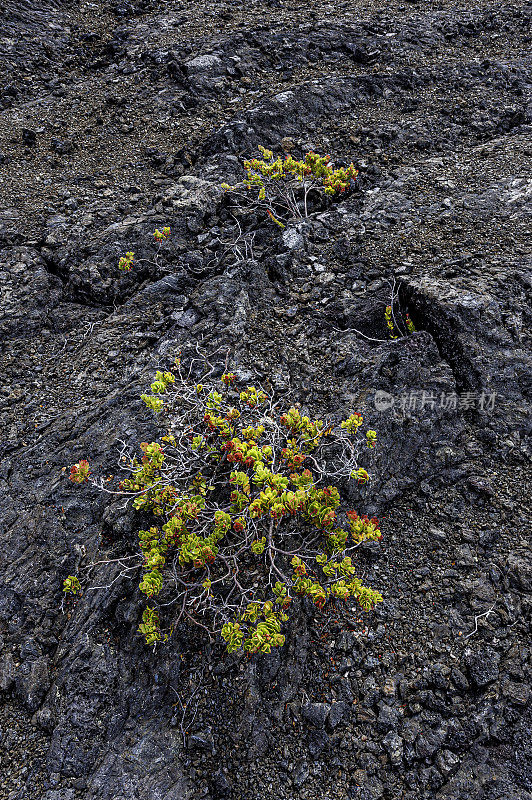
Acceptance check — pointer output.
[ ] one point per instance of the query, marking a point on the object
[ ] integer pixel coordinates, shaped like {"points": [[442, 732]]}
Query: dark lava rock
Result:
{"points": [[447, 763], [29, 137], [520, 570], [62, 147], [7, 672], [337, 712], [316, 713], [388, 718], [428, 743], [394, 747], [202, 740], [370, 788], [483, 664]]}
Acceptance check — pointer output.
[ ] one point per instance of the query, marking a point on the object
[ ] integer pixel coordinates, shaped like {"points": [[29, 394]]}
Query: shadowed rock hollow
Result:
{"points": [[119, 117]]}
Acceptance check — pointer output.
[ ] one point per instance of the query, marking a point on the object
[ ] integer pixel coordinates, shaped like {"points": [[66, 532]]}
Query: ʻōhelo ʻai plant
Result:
{"points": [[245, 517], [391, 323], [281, 186], [125, 263]]}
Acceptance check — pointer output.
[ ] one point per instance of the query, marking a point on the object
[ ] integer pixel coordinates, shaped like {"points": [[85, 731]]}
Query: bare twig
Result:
{"points": [[479, 616]]}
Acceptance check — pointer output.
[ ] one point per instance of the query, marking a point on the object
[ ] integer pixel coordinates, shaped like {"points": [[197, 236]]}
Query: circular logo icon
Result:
{"points": [[383, 400]]}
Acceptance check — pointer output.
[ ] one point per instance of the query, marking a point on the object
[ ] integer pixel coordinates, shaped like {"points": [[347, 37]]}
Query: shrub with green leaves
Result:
{"points": [[246, 514], [125, 263], [392, 323], [281, 186]]}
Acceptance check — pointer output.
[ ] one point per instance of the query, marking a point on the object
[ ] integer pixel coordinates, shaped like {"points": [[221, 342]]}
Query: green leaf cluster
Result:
{"points": [[71, 585]]}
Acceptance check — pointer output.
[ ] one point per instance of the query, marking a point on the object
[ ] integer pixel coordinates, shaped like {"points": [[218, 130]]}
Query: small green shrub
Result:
{"points": [[245, 518], [393, 330], [282, 186], [71, 585], [125, 263]]}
